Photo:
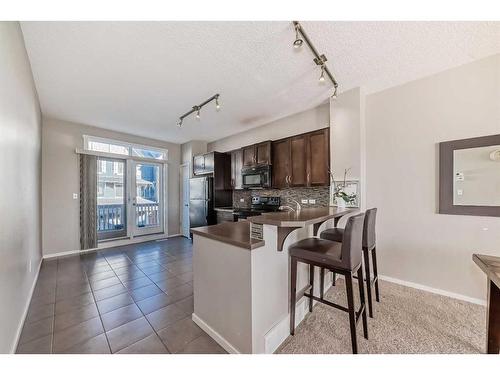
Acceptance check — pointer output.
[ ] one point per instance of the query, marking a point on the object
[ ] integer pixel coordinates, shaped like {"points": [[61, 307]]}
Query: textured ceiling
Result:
{"points": [[139, 77]]}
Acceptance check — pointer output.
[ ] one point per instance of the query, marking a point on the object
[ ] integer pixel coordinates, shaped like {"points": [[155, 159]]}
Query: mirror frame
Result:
{"points": [[446, 149]]}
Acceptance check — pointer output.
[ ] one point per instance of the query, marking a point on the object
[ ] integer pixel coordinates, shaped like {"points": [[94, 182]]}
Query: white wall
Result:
{"points": [[20, 158], [302, 122], [61, 178], [403, 127]]}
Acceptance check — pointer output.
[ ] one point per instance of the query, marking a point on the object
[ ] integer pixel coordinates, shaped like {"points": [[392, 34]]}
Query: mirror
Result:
{"points": [[469, 176], [476, 173]]}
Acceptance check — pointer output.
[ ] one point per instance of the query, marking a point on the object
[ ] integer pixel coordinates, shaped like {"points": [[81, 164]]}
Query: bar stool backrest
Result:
{"points": [[369, 228], [352, 241]]}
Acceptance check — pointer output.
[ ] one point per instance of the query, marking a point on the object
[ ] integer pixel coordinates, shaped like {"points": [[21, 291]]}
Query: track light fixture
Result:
{"points": [[322, 76], [297, 43], [318, 59], [197, 109]]}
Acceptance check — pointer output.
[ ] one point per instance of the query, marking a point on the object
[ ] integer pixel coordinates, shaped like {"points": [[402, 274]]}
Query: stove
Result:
{"points": [[259, 206]]}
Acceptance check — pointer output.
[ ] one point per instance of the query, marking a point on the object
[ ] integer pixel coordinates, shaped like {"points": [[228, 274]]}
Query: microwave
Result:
{"points": [[256, 177]]}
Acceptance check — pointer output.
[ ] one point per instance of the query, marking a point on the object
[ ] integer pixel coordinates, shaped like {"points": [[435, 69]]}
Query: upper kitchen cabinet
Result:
{"points": [[236, 165], [302, 160], [319, 158], [216, 163], [203, 164], [281, 163], [258, 154]]}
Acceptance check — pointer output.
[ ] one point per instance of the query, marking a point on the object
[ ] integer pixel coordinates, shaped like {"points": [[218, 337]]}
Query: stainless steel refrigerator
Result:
{"points": [[201, 202]]}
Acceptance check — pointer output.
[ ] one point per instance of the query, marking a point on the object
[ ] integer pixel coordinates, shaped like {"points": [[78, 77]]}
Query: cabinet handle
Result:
{"points": [[308, 176]]}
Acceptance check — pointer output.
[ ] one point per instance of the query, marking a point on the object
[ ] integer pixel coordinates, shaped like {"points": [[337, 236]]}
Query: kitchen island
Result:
{"points": [[241, 284]]}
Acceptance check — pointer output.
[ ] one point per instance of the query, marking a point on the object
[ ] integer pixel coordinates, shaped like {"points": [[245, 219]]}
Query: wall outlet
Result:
{"points": [[75, 195], [303, 201], [312, 201], [242, 200]]}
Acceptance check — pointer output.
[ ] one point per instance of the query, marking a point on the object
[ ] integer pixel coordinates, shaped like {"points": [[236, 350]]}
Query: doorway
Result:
{"points": [[185, 175], [146, 198]]}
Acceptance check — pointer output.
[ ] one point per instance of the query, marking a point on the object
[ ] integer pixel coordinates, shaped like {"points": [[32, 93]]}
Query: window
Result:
{"points": [[119, 190], [118, 168], [110, 146], [102, 166]]}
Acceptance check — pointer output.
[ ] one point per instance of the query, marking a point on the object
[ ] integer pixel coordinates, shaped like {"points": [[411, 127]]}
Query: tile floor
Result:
{"points": [[129, 299]]}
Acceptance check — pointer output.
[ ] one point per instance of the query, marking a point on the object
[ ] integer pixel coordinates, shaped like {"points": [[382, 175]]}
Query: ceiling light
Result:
{"points": [[322, 76], [334, 96], [197, 108], [297, 42]]}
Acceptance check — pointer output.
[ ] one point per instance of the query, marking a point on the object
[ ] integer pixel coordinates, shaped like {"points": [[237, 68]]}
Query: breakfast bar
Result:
{"points": [[241, 284]]}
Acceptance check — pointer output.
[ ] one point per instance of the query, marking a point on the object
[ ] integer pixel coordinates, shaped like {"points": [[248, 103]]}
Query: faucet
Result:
{"points": [[299, 207], [288, 208]]}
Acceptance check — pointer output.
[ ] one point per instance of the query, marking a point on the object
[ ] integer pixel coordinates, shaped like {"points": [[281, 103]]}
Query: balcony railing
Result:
{"points": [[147, 214], [112, 216]]}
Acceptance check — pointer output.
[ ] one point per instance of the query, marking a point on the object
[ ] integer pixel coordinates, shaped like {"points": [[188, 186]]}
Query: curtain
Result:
{"points": [[88, 201]]}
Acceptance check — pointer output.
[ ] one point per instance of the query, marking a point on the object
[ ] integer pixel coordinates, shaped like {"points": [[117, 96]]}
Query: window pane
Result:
{"points": [[146, 153], [108, 147]]}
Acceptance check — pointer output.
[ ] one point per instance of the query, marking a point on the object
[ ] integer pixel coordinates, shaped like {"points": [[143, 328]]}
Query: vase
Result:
{"points": [[340, 202]]}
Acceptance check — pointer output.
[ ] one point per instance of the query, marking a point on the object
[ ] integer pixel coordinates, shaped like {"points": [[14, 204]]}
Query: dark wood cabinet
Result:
{"points": [[302, 160], [203, 164], [236, 165], [258, 154], [281, 163], [319, 158]]}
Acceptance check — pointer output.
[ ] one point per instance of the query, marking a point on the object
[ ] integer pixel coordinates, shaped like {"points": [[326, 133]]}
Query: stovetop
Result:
{"points": [[259, 206]]}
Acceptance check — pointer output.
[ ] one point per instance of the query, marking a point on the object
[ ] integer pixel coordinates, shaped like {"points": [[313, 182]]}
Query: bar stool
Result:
{"points": [[337, 234], [344, 258]]}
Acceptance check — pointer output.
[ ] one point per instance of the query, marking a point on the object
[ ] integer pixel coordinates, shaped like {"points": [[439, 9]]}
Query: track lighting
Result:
{"points": [[334, 96], [322, 76], [197, 109], [320, 60], [297, 42]]}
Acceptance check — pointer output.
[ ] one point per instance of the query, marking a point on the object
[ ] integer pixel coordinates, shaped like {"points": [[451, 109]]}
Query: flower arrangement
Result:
{"points": [[341, 197]]}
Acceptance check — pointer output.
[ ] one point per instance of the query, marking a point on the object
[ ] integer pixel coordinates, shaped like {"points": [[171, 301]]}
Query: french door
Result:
{"points": [[146, 203], [130, 198]]}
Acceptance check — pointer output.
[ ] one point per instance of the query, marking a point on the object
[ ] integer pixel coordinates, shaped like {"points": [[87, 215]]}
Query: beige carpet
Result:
{"points": [[406, 321]]}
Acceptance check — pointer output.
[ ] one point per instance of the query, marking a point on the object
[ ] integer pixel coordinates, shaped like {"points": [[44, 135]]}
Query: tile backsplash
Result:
{"points": [[320, 193]]}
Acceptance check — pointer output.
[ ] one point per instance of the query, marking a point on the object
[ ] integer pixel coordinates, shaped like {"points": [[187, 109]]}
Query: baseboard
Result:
{"points": [[111, 245], [215, 335], [280, 332], [429, 289], [26, 308]]}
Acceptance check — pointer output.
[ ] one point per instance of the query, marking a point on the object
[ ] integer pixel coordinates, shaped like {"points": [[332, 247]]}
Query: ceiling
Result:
{"points": [[139, 77]]}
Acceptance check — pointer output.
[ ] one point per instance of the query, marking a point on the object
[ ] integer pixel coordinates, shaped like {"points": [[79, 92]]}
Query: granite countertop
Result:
{"points": [[233, 233], [490, 266], [305, 217]]}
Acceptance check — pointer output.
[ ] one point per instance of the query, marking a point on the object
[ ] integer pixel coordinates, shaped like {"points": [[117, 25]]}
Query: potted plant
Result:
{"points": [[339, 195]]}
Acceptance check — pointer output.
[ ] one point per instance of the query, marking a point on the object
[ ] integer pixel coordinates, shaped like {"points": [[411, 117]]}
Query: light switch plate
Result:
{"points": [[75, 196], [312, 201], [303, 201], [242, 200]]}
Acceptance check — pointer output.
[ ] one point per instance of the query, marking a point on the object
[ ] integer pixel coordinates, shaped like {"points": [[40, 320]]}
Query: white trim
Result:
{"points": [[429, 289], [118, 156], [215, 335], [113, 244], [129, 145], [26, 308]]}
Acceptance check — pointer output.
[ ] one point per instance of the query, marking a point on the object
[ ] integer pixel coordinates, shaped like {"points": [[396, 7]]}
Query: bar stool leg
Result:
{"points": [[363, 302], [311, 282], [366, 256], [334, 277], [375, 272], [321, 283], [352, 313], [293, 293]]}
